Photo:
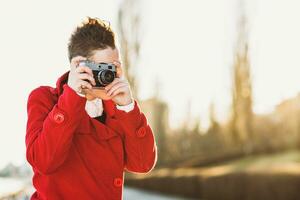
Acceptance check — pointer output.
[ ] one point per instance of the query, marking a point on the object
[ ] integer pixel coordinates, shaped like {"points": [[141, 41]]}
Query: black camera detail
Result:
{"points": [[104, 73]]}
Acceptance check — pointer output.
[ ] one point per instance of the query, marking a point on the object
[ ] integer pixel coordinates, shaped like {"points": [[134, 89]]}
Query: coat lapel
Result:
{"points": [[91, 125]]}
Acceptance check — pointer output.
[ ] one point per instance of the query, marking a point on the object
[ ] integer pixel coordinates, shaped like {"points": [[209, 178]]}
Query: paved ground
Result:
{"points": [[137, 194], [10, 185]]}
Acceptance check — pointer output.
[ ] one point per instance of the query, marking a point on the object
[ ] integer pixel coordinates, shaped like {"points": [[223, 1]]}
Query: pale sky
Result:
{"points": [[188, 45]]}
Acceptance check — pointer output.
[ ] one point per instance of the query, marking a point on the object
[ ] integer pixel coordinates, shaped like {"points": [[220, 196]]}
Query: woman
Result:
{"points": [[79, 139]]}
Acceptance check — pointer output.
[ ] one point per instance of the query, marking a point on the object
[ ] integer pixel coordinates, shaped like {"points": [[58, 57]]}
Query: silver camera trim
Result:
{"points": [[97, 67]]}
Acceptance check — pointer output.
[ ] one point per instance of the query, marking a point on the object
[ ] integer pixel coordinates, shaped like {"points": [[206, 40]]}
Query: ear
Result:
{"points": [[118, 69], [119, 72]]}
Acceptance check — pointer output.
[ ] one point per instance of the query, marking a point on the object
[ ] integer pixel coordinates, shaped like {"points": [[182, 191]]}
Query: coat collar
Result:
{"points": [[108, 105]]}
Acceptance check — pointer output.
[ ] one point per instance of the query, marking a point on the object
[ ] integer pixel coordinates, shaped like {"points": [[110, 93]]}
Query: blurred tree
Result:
{"points": [[158, 116], [214, 125], [241, 122], [156, 110], [157, 113], [130, 39]]}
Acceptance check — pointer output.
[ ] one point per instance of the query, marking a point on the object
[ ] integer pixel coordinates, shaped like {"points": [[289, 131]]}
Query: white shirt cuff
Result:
{"points": [[126, 108], [82, 95]]}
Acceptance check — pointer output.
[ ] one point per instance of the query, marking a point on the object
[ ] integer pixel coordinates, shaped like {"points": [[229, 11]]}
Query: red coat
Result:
{"points": [[74, 156]]}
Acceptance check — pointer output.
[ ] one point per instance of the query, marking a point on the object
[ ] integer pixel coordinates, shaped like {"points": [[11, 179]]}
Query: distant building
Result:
{"points": [[288, 113]]}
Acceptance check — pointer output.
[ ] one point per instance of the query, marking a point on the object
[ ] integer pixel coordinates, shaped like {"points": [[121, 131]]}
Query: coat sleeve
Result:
{"points": [[139, 142], [50, 127]]}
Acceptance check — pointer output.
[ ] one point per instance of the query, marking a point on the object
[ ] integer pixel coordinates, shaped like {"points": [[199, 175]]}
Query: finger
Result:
{"points": [[84, 84], [76, 60], [83, 69], [119, 90], [116, 80], [87, 77], [115, 87], [116, 84]]}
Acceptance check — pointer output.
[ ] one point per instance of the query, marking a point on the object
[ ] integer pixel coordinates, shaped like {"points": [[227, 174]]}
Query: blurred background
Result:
{"points": [[218, 81]]}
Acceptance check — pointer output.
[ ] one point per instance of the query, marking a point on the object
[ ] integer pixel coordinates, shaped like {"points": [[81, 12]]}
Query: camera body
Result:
{"points": [[103, 73]]}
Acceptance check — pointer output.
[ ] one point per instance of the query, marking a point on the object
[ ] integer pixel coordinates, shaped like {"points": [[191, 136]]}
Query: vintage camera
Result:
{"points": [[104, 73]]}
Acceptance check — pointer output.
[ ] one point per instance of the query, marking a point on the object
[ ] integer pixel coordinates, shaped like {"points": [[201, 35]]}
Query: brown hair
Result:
{"points": [[91, 35]]}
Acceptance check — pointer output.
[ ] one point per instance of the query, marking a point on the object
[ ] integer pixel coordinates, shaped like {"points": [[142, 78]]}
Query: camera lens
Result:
{"points": [[106, 77]]}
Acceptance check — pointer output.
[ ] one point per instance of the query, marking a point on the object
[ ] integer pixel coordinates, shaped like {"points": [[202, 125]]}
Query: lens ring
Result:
{"points": [[106, 77]]}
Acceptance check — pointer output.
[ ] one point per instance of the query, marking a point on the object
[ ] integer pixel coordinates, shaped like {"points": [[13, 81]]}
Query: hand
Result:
{"points": [[119, 90], [80, 76]]}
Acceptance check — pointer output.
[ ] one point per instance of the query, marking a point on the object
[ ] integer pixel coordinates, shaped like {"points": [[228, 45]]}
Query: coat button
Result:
{"points": [[141, 132], [118, 182], [59, 118]]}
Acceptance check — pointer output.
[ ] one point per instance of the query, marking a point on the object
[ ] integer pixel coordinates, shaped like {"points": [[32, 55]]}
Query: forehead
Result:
{"points": [[107, 55]]}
